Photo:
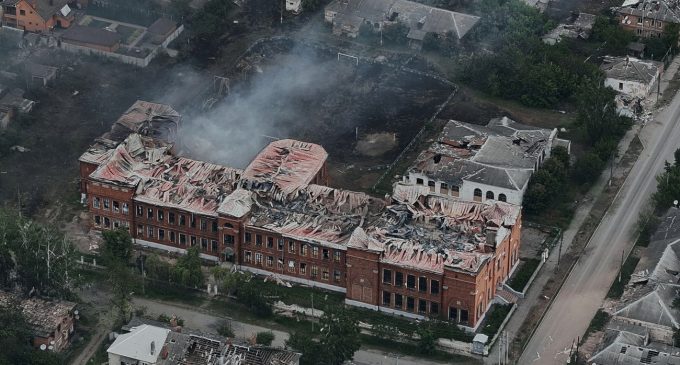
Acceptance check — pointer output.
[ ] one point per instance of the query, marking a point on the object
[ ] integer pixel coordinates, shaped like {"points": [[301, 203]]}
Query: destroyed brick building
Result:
{"points": [[416, 253], [479, 163], [647, 18], [51, 322]]}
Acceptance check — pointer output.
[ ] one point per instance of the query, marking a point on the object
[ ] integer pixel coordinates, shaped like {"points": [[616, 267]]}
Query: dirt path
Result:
{"points": [[103, 328]]}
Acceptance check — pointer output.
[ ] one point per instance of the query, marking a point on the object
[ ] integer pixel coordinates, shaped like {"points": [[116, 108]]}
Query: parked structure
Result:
{"points": [[647, 18], [347, 17], [479, 163], [37, 15], [51, 321], [447, 256], [154, 345]]}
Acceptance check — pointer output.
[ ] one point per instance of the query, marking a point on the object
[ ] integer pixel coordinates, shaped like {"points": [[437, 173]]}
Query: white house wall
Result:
{"points": [[631, 88], [467, 190]]}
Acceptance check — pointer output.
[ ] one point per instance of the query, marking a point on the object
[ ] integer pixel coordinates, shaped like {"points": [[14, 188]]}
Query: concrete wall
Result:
{"points": [[467, 189], [140, 62], [631, 88]]}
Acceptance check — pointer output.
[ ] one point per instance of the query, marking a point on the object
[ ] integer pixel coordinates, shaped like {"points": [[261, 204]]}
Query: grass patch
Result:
{"points": [[411, 350], [494, 318], [523, 274], [616, 290], [168, 292], [596, 324], [299, 295]]}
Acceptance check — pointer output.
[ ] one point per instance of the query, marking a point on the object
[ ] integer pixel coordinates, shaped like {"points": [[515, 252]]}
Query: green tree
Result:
{"points": [[335, 343], [427, 342], [395, 33], [606, 30], [588, 168], [311, 5], [188, 271], [265, 338], [117, 246], [156, 268]]}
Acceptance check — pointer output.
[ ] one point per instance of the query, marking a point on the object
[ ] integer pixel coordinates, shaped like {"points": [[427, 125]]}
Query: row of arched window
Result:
{"points": [[490, 195]]}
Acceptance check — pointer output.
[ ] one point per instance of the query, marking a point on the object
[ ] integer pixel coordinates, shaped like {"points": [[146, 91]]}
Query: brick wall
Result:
{"points": [[363, 276]]}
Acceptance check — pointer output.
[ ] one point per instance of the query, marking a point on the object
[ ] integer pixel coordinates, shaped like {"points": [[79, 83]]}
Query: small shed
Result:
{"points": [[40, 74], [479, 343], [636, 49]]}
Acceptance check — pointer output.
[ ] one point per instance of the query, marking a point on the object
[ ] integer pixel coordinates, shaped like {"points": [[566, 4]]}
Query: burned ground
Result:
{"points": [[363, 115]]}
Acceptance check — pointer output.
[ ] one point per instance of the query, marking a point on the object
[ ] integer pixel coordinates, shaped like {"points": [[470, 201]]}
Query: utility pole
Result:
{"points": [[559, 252], [312, 311], [621, 268], [500, 347]]}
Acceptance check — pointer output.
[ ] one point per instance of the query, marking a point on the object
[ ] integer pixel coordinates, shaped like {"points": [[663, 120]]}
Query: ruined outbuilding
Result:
{"points": [[51, 322]]}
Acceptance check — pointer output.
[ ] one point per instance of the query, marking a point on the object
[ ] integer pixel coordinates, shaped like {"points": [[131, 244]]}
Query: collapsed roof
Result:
{"points": [[427, 232], [657, 10], [43, 316], [627, 348], [503, 153]]}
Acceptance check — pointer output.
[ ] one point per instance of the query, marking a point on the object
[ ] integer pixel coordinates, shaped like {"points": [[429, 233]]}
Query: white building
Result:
{"points": [[141, 346], [631, 76], [294, 6], [478, 163]]}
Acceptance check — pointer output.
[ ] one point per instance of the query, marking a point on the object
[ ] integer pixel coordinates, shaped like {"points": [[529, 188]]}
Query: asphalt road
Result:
{"points": [[588, 283]]}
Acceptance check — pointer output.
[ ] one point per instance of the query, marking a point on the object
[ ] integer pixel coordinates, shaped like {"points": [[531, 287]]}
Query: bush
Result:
{"points": [[494, 318], [264, 338], [588, 168], [523, 274]]}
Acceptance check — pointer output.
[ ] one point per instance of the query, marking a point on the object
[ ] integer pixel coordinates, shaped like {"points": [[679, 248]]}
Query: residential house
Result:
{"points": [[51, 322], [347, 17], [579, 26], [479, 163], [647, 18], [630, 76], [37, 15], [294, 6]]}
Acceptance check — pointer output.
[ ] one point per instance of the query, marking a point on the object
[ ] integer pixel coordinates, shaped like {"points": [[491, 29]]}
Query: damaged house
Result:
{"points": [[419, 253], [578, 26], [51, 322], [647, 18], [645, 319], [37, 15], [347, 17], [632, 79], [479, 163]]}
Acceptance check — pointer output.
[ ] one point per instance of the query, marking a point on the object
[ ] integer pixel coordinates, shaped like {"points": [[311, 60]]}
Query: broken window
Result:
{"points": [[398, 301], [106, 204], [326, 254], [204, 244], [387, 276], [182, 239], [324, 274], [453, 314], [303, 249], [192, 221], [160, 215], [501, 197], [270, 261], [279, 244], [489, 195], [434, 286], [140, 230], [149, 213], [172, 236], [161, 234], [315, 271], [620, 85], [258, 239], [214, 226], [387, 298], [422, 284], [248, 237], [422, 306], [140, 211], [116, 224], [95, 202], [279, 263], [291, 266], [336, 276], [171, 217], [97, 220], [258, 258], [213, 244], [410, 282], [398, 279], [192, 241], [303, 268], [149, 232], [125, 208], [228, 239], [182, 220], [228, 225], [315, 252], [270, 242], [204, 224], [410, 304], [336, 256], [291, 246], [248, 256], [463, 316], [420, 181], [434, 309]]}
